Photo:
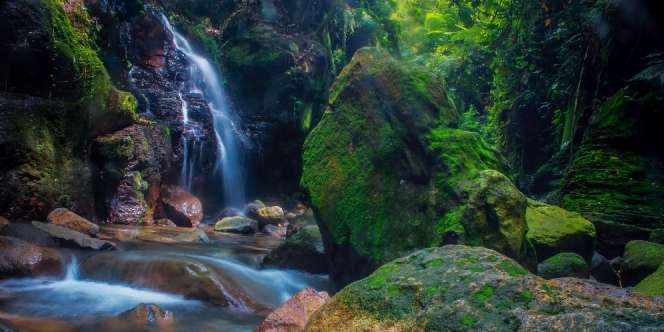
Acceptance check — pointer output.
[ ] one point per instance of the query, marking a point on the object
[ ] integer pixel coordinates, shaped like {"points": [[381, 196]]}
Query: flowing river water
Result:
{"points": [[192, 280]]}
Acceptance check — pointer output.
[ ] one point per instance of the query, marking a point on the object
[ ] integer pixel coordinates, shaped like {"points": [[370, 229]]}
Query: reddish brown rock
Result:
{"points": [[68, 219], [11, 323], [22, 259], [183, 208], [294, 314], [3, 222]]}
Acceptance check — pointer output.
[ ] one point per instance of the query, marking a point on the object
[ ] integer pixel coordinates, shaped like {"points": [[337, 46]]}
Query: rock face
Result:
{"points": [[457, 288], [553, 230], [66, 237], [302, 251], [183, 208], [642, 258], [22, 259], [295, 313], [65, 218], [239, 225], [56, 95], [566, 264]]}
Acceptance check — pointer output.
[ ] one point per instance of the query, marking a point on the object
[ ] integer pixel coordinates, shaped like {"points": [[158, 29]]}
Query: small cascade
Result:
{"points": [[228, 165], [72, 272]]}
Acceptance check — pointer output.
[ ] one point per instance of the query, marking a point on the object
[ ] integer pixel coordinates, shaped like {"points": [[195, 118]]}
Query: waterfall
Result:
{"points": [[72, 270], [228, 164]]}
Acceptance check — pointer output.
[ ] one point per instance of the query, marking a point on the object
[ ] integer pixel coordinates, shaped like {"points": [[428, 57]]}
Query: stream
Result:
{"points": [[106, 284]]}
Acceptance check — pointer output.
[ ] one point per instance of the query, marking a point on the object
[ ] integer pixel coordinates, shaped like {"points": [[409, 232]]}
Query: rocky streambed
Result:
{"points": [[199, 281]]}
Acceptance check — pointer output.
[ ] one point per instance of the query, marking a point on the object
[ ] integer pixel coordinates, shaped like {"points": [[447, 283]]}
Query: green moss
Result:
{"points": [[643, 255], [566, 264], [512, 268], [468, 320], [434, 263], [652, 285], [485, 293], [526, 296], [380, 277]]}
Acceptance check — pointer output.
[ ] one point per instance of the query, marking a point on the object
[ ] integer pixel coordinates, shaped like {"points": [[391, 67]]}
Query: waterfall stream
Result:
{"points": [[228, 165]]}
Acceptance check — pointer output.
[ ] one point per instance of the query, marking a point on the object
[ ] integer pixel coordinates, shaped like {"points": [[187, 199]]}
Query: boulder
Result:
{"points": [[145, 316], [3, 222], [253, 207], [65, 218], [302, 251], [603, 271], [641, 259], [22, 259], [279, 232], [270, 215], [566, 264], [459, 288], [238, 225], [293, 315], [653, 284], [66, 237], [386, 165], [553, 230], [183, 208]]}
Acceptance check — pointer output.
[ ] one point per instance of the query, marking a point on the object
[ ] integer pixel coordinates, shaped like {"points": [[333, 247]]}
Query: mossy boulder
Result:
{"points": [[459, 288], [388, 172], [652, 285], [566, 264], [553, 230], [303, 251], [642, 258], [237, 224]]}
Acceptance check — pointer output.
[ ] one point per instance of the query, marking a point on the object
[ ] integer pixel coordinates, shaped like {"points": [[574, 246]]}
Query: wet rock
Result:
{"points": [[653, 284], [238, 225], [178, 275], [157, 234], [295, 313], [17, 323], [28, 233], [197, 235], [280, 232], [183, 208], [71, 239], [229, 212], [22, 259], [566, 264], [553, 230], [459, 288], [65, 218], [641, 259], [3, 222], [253, 207], [302, 251], [602, 270], [164, 223], [148, 315], [270, 215]]}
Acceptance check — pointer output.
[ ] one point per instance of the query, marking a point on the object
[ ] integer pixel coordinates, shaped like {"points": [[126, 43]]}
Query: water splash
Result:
{"points": [[72, 270], [228, 164]]}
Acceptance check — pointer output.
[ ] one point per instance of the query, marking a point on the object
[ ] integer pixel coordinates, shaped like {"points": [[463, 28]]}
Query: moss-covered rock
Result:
{"points": [[566, 264], [553, 230], [458, 288], [237, 224], [641, 259], [652, 285], [616, 174], [388, 171]]}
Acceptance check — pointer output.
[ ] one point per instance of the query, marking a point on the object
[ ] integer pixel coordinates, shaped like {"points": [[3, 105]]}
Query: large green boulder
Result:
{"points": [[553, 230], [652, 285], [459, 288], [566, 264], [386, 164], [641, 259]]}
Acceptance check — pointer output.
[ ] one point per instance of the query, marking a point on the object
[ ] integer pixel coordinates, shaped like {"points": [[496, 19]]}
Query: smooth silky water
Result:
{"points": [[81, 300]]}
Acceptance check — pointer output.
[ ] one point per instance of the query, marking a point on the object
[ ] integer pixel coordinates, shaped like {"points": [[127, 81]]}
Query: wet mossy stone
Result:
{"points": [[238, 224], [653, 284], [460, 288], [302, 251], [566, 264], [641, 259], [553, 230]]}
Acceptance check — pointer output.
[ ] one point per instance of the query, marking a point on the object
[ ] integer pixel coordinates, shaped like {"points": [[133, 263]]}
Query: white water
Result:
{"points": [[229, 160]]}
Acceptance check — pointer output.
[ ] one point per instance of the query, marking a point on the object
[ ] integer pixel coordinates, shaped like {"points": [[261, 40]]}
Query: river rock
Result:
{"points": [[641, 259], [566, 264], [148, 315], [270, 215], [28, 233], [293, 315], [238, 225], [68, 219], [183, 208], [277, 231], [253, 207], [68, 238], [460, 288], [164, 223], [302, 251], [3, 222], [22, 259], [553, 230]]}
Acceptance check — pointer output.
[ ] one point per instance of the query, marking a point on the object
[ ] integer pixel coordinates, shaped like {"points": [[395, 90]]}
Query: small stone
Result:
{"points": [[68, 219], [237, 225], [295, 313]]}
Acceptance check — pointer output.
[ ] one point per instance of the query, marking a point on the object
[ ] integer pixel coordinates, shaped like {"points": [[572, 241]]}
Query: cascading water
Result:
{"points": [[228, 164]]}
